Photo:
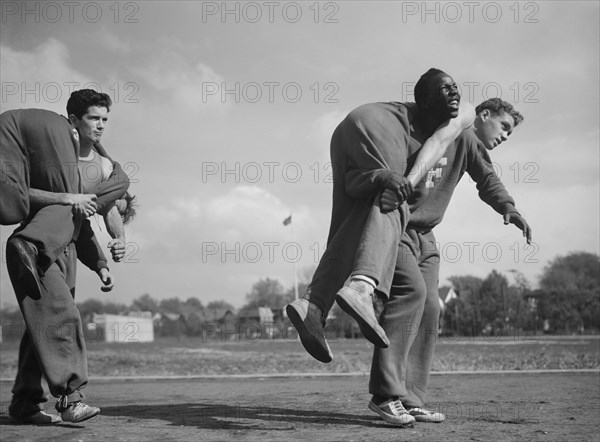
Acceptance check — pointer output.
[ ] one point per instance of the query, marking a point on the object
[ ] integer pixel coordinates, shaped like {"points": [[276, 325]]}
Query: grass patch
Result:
{"points": [[189, 356]]}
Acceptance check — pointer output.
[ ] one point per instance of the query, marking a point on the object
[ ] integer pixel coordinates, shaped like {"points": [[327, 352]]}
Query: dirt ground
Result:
{"points": [[479, 407]]}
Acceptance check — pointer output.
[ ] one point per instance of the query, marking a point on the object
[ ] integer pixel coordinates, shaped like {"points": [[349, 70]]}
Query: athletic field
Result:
{"points": [[534, 389]]}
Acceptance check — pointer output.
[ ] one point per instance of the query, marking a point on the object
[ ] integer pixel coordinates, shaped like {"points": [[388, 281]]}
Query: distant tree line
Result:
{"points": [[567, 301]]}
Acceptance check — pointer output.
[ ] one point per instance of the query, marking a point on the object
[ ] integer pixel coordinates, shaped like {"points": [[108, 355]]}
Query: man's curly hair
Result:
{"points": [[496, 106], [423, 87], [80, 101]]}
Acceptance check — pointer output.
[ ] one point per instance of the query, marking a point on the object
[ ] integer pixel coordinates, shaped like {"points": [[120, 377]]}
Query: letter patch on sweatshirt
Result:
{"points": [[435, 175]]}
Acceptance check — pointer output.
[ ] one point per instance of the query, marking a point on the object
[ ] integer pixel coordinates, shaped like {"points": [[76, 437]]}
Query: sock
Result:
{"points": [[364, 278]]}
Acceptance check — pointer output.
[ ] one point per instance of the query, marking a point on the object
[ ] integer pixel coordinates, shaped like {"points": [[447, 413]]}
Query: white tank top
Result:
{"points": [[94, 169]]}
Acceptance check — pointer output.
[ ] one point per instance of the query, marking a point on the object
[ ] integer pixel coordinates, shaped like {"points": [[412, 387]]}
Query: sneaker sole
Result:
{"points": [[367, 330], [309, 342], [391, 420], [18, 421], [429, 419]]}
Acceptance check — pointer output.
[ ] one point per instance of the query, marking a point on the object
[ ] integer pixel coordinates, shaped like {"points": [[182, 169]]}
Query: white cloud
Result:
{"points": [[47, 86], [112, 42], [248, 208], [243, 215], [190, 87]]}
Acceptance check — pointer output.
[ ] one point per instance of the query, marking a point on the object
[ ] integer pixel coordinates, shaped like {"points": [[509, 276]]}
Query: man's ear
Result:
{"points": [[73, 119], [485, 114]]}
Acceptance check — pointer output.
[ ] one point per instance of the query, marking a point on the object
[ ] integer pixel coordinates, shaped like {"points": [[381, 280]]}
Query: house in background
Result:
{"points": [[254, 321], [121, 328], [219, 323], [447, 294], [170, 324]]}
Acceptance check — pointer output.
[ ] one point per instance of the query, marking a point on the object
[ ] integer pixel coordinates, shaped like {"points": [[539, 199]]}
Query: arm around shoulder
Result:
{"points": [[436, 145]]}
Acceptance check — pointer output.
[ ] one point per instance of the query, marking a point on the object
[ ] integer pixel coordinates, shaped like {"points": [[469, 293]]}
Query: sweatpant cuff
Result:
{"points": [[65, 400]]}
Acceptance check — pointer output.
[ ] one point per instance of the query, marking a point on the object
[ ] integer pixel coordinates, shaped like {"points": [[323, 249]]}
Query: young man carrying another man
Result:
{"points": [[43, 180], [404, 265]]}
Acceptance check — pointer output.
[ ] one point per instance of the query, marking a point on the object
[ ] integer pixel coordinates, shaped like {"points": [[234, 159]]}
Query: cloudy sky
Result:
{"points": [[223, 112]]}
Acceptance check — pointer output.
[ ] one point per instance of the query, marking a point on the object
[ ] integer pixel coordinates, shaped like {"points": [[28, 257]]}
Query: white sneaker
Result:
{"points": [[356, 300], [393, 412], [79, 412], [423, 415]]}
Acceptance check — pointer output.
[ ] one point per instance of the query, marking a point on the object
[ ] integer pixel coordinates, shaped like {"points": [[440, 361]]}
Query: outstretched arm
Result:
{"points": [[492, 191], [516, 219]]}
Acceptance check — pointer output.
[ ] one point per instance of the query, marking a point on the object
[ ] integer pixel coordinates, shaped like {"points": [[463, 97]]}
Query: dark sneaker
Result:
{"points": [[423, 415], [78, 412], [357, 302], [307, 318], [393, 412], [38, 418]]}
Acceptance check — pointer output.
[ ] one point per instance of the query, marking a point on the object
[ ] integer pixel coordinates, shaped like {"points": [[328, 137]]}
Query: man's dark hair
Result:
{"points": [[423, 88], [80, 101], [496, 106], [131, 210]]}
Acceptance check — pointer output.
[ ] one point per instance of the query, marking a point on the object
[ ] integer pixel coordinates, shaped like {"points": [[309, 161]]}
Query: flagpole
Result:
{"points": [[294, 264], [287, 221]]}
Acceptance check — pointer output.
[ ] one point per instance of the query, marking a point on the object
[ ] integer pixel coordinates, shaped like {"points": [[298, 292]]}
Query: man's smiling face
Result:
{"points": [[445, 98]]}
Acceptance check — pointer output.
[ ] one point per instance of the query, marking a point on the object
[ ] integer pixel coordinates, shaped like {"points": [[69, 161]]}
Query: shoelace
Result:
{"points": [[62, 403], [397, 407]]}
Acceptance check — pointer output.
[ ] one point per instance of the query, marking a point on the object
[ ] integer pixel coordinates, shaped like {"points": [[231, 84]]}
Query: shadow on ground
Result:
{"points": [[238, 417]]}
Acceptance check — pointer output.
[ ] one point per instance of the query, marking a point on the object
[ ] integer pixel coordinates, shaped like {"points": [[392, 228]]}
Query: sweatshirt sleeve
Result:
{"points": [[114, 187], [111, 189], [491, 190], [366, 169], [362, 183], [88, 249]]}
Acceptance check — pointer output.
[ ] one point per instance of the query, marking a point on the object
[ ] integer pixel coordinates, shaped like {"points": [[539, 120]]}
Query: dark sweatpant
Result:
{"points": [[365, 244], [410, 320], [51, 229], [378, 247], [337, 261], [53, 345]]}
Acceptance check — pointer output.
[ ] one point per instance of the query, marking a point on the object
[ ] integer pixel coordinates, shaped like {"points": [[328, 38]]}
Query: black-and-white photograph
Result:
{"points": [[299, 220]]}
